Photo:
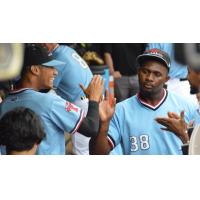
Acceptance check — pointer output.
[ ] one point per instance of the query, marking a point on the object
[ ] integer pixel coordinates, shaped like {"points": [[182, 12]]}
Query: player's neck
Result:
{"points": [[152, 99], [27, 83], [52, 48], [28, 152]]}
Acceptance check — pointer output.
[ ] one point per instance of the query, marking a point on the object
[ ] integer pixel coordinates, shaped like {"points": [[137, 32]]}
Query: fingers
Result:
{"points": [[98, 81], [102, 81], [182, 115], [114, 102], [107, 95], [163, 121], [165, 129], [191, 124], [82, 87], [173, 115]]}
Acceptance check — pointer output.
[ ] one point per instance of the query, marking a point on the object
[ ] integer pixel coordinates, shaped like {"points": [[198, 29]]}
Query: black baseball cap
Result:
{"points": [[36, 54], [154, 54]]}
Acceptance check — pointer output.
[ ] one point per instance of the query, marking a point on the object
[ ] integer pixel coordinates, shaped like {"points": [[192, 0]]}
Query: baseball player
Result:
{"points": [[133, 125], [70, 75], [176, 123], [57, 114]]}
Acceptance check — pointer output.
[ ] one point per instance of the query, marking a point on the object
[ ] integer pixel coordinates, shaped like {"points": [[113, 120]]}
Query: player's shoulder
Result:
{"points": [[173, 95], [66, 54], [126, 104], [65, 49], [47, 98], [179, 99]]}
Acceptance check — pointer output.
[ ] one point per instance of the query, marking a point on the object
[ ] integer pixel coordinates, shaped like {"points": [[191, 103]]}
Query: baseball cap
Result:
{"points": [[154, 54], [36, 54]]}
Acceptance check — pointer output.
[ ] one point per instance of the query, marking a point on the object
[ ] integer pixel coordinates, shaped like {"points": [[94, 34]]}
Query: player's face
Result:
{"points": [[47, 76], [194, 79], [152, 77]]}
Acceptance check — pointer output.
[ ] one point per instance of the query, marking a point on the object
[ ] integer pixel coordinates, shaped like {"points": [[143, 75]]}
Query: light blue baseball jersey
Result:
{"points": [[134, 127], [70, 75], [57, 116], [177, 70], [118, 150]]}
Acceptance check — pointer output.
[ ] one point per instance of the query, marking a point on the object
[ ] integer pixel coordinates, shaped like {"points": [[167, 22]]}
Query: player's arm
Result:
{"points": [[90, 125], [175, 124], [70, 118], [100, 145]]}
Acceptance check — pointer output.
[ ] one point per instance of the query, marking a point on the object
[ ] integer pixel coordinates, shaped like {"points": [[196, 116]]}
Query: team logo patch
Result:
{"points": [[69, 107]]}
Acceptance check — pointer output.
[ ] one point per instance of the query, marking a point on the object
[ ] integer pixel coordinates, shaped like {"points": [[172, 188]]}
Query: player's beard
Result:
{"points": [[154, 93]]}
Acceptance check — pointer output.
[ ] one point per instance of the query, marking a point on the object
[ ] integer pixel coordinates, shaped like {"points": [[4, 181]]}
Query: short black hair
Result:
{"points": [[20, 129]]}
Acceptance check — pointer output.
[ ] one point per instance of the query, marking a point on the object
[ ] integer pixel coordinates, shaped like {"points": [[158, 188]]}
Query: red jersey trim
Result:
{"points": [[111, 143], [149, 105], [78, 123]]}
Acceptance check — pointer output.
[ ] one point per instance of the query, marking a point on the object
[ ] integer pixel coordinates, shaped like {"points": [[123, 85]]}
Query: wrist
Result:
{"points": [[105, 123], [112, 73], [185, 137], [104, 126], [93, 98]]}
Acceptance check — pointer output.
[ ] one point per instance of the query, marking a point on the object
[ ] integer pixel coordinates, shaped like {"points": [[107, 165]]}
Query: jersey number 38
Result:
{"points": [[139, 143]]}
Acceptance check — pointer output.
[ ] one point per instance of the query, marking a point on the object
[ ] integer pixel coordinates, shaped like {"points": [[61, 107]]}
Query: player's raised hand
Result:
{"points": [[175, 124], [95, 89], [107, 108]]}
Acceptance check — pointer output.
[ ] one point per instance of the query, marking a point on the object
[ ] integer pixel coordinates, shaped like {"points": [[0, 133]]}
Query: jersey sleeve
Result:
{"points": [[66, 115], [114, 132], [190, 111]]}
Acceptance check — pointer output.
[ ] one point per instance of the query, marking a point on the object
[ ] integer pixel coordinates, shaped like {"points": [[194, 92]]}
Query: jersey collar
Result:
{"points": [[19, 91], [151, 106]]}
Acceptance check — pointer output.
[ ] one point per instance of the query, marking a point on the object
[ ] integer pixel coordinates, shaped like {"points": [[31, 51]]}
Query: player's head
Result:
{"points": [[153, 71], [194, 80], [40, 66], [21, 131]]}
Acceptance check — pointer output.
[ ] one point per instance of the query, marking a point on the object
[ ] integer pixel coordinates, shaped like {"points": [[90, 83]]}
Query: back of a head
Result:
{"points": [[20, 129]]}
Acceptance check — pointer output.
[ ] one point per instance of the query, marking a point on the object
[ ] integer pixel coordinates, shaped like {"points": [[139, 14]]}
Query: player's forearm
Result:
{"points": [[90, 124], [99, 145]]}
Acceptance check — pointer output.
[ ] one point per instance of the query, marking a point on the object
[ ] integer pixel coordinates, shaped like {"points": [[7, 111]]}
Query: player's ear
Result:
{"points": [[35, 69], [167, 78], [189, 70]]}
